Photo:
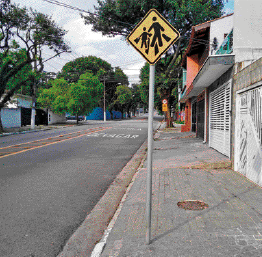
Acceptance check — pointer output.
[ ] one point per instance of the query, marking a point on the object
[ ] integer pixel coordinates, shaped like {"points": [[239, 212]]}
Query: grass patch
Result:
{"points": [[179, 122]]}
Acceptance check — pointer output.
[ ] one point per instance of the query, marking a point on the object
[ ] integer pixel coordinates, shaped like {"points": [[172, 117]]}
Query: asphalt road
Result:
{"points": [[46, 192]]}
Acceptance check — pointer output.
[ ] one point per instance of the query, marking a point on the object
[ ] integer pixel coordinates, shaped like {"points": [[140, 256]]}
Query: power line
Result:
{"points": [[81, 10], [60, 58], [52, 67]]}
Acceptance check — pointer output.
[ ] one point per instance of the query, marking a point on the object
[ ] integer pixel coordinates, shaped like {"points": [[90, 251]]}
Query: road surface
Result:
{"points": [[47, 190]]}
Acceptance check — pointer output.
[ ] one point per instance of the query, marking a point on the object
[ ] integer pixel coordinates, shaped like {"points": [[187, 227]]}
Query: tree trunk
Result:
{"points": [[128, 112], [77, 119], [168, 119], [166, 95]]}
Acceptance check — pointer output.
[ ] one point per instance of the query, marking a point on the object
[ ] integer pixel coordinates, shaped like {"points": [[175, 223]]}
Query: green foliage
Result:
{"points": [[120, 76], [124, 98], [182, 14], [101, 69], [119, 17], [124, 95], [74, 69], [136, 97], [26, 74], [77, 98], [34, 31], [56, 97], [85, 95]]}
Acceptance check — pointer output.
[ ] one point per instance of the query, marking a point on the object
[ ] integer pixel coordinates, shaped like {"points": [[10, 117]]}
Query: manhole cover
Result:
{"points": [[192, 205]]}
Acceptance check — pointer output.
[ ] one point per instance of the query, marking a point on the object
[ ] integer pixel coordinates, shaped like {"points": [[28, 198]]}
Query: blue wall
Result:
{"points": [[11, 117], [98, 114]]}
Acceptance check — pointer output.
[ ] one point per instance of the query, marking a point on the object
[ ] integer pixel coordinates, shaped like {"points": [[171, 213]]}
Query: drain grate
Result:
{"points": [[192, 205]]}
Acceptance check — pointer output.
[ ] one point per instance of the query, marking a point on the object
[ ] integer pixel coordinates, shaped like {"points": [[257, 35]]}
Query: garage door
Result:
{"points": [[248, 136], [219, 121]]}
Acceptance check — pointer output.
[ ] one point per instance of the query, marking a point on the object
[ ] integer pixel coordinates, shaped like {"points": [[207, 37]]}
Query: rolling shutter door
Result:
{"points": [[220, 106]]}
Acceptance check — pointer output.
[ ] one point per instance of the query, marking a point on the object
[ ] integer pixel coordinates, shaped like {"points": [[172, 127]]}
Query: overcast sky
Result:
{"points": [[84, 42]]}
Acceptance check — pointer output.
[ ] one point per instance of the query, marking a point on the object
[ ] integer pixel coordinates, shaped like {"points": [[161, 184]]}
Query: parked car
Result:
{"points": [[80, 118]]}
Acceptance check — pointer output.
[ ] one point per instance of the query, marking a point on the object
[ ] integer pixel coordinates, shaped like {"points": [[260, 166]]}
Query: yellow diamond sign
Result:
{"points": [[153, 36]]}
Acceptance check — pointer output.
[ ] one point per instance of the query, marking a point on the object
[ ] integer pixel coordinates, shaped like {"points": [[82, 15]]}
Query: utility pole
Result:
{"points": [[34, 92], [104, 99]]}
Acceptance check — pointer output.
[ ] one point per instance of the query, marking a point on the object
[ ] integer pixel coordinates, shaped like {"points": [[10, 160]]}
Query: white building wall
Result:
{"points": [[247, 30], [220, 27], [11, 117], [54, 118]]}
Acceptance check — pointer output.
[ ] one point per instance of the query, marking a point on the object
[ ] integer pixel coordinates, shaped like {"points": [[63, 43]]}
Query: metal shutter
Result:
{"points": [[219, 121]]}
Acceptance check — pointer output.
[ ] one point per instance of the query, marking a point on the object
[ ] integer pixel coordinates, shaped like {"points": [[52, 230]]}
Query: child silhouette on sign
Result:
{"points": [[157, 35], [145, 36]]}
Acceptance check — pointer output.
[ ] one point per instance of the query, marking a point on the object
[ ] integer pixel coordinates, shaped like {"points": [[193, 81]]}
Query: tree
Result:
{"points": [[120, 17], [124, 98], [136, 97], [120, 76], [72, 70], [84, 95], [109, 76], [56, 97], [77, 98], [25, 74], [23, 35]]}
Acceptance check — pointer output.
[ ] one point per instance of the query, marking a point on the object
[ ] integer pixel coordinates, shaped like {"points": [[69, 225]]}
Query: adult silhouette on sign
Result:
{"points": [[157, 35]]}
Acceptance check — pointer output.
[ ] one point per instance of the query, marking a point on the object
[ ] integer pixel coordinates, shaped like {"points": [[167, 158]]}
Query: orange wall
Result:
{"points": [[187, 126], [192, 68]]}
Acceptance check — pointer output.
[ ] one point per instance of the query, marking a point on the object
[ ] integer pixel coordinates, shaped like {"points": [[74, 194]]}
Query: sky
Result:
{"points": [[84, 42]]}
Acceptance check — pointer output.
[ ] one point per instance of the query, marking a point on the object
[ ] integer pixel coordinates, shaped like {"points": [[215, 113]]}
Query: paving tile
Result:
{"points": [[230, 226]]}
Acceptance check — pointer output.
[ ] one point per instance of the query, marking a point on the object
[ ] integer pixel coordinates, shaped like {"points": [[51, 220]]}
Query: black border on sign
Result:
{"points": [[160, 16]]}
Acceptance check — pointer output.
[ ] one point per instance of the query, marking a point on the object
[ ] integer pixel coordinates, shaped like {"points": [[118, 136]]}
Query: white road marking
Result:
{"points": [[128, 128], [112, 135]]}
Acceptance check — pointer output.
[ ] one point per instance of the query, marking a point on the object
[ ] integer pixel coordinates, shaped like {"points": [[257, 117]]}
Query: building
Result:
{"points": [[247, 90], [17, 113], [222, 93], [208, 69]]}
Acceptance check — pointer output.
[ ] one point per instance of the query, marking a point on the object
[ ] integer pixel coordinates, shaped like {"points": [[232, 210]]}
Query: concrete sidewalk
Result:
{"points": [[186, 169]]}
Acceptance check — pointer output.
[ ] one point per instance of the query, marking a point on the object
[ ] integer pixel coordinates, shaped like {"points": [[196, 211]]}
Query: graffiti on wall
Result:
{"points": [[243, 148], [249, 134]]}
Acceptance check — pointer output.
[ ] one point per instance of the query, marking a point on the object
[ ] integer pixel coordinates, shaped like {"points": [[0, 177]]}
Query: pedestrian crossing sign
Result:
{"points": [[153, 36]]}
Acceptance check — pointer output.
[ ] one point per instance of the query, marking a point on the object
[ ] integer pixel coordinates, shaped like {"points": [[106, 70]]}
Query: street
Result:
{"points": [[48, 190]]}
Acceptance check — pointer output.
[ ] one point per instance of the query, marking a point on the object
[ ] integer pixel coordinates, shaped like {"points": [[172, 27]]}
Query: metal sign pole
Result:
{"points": [[150, 152]]}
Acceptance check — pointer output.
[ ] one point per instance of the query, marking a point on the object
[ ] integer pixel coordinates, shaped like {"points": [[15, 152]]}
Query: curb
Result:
{"points": [[30, 131], [23, 132], [95, 226], [99, 247]]}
